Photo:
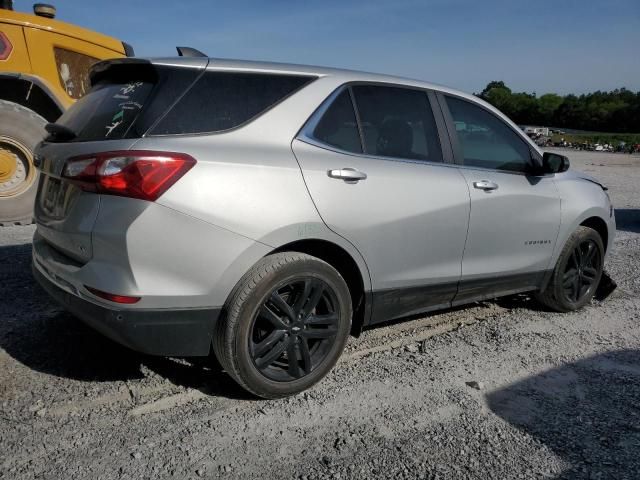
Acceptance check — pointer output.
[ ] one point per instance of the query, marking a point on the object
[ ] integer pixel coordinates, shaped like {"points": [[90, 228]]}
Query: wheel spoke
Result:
{"points": [[583, 288], [303, 295], [588, 257], [568, 277], [319, 332], [266, 313], [317, 289], [575, 257], [317, 320], [589, 277], [576, 288], [261, 348], [292, 357], [305, 355], [282, 305], [272, 356]]}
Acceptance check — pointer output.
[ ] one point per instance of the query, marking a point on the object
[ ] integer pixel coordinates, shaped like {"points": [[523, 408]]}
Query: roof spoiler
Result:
{"points": [[122, 67], [190, 52]]}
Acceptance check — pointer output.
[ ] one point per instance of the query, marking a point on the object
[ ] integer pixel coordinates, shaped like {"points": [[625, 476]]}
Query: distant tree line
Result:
{"points": [[617, 111]]}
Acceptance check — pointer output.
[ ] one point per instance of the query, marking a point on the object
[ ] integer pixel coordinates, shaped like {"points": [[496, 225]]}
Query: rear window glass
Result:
{"points": [[108, 111], [223, 100], [126, 102]]}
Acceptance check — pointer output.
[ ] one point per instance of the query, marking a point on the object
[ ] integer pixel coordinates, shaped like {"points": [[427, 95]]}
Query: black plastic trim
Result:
{"points": [[185, 332], [483, 288], [391, 304], [403, 302]]}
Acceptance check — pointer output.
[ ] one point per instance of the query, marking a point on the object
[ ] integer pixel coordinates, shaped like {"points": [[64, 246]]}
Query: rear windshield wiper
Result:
{"points": [[59, 132]]}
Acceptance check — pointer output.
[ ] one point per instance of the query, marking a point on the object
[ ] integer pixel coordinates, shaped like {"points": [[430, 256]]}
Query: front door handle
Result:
{"points": [[485, 185], [349, 175]]}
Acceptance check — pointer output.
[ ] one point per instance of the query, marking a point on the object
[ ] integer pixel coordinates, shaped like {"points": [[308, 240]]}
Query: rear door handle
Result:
{"points": [[485, 185], [349, 175]]}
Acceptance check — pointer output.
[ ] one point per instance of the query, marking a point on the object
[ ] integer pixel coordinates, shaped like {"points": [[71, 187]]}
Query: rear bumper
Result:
{"points": [[165, 332]]}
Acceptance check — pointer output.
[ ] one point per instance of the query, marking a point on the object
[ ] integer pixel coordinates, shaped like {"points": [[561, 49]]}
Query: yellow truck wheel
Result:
{"points": [[20, 131]]}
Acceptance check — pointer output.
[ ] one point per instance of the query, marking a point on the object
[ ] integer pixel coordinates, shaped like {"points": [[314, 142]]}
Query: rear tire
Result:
{"points": [[21, 130], [284, 325], [577, 273]]}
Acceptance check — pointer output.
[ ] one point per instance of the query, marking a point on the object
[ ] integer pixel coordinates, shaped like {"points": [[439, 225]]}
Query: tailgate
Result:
{"points": [[127, 97], [63, 212]]}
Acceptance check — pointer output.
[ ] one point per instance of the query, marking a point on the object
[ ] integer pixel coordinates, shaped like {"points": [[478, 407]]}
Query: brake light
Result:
{"points": [[112, 297], [139, 174]]}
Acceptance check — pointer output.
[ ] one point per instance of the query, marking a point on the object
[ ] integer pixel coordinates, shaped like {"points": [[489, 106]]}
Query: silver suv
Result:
{"points": [[265, 211]]}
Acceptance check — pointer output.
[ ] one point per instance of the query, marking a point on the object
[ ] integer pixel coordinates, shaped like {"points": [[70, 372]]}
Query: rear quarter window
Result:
{"points": [[221, 101]]}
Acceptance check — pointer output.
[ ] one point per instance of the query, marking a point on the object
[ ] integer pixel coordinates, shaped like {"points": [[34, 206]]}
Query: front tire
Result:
{"points": [[284, 325], [577, 273]]}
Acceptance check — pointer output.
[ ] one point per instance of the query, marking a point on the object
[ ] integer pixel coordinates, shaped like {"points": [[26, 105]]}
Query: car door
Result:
{"points": [[515, 215], [378, 177]]}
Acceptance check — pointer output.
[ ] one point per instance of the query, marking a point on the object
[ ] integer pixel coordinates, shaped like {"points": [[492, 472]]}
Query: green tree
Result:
{"points": [[547, 106], [617, 111]]}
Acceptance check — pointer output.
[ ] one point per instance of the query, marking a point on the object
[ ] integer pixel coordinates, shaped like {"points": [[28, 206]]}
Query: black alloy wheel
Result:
{"points": [[284, 325], [294, 329], [582, 271], [577, 273]]}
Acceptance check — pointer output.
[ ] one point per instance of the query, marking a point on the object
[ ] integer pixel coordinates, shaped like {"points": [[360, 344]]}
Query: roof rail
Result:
{"points": [[190, 52]]}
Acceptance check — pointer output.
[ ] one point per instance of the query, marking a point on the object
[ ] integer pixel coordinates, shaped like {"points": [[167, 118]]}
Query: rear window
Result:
{"points": [[224, 100], [126, 101], [107, 112]]}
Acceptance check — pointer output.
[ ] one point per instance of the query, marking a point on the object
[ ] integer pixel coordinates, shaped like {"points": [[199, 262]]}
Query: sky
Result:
{"points": [[534, 46]]}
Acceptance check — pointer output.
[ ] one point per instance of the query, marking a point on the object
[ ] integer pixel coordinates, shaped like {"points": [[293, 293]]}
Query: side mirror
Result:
{"points": [[554, 163]]}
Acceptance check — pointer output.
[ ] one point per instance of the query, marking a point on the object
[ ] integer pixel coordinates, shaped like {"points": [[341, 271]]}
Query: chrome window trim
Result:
{"points": [[331, 148]]}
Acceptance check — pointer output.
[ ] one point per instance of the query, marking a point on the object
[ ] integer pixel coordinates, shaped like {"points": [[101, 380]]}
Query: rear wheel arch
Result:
{"points": [[30, 93], [346, 265]]}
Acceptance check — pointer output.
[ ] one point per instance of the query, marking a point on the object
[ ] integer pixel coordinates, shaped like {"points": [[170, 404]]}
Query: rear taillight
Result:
{"points": [[130, 173]]}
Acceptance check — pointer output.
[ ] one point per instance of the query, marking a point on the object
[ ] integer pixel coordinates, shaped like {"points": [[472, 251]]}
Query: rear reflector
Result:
{"points": [[139, 174], [113, 297]]}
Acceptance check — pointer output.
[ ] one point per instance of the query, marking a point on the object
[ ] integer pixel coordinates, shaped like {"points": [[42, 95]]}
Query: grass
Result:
{"points": [[596, 137]]}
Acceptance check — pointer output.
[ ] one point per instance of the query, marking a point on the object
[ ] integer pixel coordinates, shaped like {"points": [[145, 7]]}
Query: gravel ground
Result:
{"points": [[500, 389]]}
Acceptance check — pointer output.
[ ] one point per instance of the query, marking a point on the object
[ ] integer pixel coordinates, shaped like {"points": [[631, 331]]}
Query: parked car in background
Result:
{"points": [[265, 211]]}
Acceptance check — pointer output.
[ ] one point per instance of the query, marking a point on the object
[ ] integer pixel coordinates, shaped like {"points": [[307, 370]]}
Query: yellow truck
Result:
{"points": [[44, 68]]}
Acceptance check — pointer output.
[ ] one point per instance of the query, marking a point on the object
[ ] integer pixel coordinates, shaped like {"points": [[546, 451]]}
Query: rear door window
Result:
{"points": [[397, 122], [338, 126], [221, 101]]}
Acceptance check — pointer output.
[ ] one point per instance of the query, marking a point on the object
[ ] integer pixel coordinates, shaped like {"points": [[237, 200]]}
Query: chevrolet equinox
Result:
{"points": [[266, 211]]}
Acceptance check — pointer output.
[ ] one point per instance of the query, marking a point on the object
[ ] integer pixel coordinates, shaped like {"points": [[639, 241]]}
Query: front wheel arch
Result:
{"points": [[600, 226]]}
